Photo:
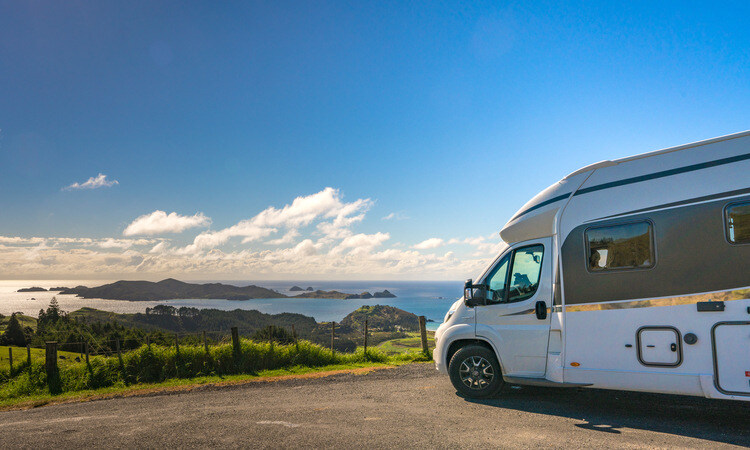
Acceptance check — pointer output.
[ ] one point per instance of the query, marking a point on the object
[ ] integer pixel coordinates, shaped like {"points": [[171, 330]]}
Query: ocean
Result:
{"points": [[425, 298]]}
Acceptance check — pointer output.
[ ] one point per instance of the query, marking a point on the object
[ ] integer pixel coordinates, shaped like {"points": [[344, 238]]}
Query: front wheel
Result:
{"points": [[475, 372]]}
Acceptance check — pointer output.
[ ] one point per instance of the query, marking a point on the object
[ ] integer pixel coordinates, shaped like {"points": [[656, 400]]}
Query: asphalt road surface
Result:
{"points": [[410, 406]]}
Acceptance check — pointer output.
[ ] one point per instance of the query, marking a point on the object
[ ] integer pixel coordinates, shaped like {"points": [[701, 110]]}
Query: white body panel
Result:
{"points": [[633, 342]]}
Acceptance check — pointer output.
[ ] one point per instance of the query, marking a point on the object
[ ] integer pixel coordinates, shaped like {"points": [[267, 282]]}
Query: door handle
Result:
{"points": [[541, 310]]}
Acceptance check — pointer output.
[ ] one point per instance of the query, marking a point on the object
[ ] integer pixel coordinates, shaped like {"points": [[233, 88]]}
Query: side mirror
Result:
{"points": [[475, 294], [541, 310]]}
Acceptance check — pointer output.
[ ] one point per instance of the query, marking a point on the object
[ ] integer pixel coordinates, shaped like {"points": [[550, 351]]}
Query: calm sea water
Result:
{"points": [[428, 298]]}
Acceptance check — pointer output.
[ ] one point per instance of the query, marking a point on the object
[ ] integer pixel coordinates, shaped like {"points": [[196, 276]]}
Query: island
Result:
{"points": [[344, 296], [296, 289], [52, 289], [384, 294], [32, 289], [171, 289]]}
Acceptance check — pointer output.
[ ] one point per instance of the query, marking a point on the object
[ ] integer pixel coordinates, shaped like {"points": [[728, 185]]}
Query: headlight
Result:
{"points": [[448, 316]]}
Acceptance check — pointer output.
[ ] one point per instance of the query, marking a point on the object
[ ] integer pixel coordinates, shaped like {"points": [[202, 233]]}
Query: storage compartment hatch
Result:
{"points": [[659, 346], [731, 345]]}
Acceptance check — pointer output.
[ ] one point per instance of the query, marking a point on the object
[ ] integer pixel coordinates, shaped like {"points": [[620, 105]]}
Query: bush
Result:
{"points": [[160, 363]]}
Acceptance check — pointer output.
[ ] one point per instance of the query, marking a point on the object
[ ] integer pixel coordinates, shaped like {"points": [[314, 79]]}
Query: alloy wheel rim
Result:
{"points": [[476, 372]]}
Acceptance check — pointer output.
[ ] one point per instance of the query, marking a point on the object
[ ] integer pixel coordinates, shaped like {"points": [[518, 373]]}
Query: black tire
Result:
{"points": [[475, 372]]}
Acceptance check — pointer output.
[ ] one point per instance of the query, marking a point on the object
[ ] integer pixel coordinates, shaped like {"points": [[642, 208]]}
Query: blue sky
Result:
{"points": [[447, 116]]}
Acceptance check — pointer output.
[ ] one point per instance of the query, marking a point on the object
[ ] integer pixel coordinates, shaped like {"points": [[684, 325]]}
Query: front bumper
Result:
{"points": [[439, 363]]}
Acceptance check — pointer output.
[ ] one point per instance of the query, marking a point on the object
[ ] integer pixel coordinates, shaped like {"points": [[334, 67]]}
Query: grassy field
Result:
{"points": [[37, 357], [156, 365], [411, 343], [186, 384]]}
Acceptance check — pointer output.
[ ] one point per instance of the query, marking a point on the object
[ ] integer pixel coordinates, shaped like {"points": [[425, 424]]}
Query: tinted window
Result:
{"points": [[526, 268], [627, 246], [738, 223]]}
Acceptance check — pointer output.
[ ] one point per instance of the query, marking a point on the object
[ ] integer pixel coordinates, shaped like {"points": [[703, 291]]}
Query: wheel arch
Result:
{"points": [[460, 343]]}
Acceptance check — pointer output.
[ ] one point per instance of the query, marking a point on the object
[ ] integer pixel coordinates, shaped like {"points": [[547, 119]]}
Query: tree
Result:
{"points": [[164, 310], [14, 334], [186, 311], [53, 311]]}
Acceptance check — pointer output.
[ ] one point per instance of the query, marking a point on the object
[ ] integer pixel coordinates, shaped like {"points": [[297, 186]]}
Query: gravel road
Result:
{"points": [[409, 406]]}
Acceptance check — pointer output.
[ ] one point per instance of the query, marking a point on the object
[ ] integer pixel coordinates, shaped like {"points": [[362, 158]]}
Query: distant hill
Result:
{"points": [[32, 289], [171, 289], [194, 320], [384, 294], [381, 317]]}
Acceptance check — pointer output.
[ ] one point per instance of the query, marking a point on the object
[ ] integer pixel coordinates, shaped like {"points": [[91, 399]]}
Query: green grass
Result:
{"points": [[37, 356], [409, 344], [158, 364], [43, 398]]}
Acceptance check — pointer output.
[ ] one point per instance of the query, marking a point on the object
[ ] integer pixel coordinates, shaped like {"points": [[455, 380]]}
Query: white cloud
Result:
{"points": [[161, 247], [360, 243], [394, 216], [429, 243], [93, 183], [326, 204], [288, 238], [159, 222]]}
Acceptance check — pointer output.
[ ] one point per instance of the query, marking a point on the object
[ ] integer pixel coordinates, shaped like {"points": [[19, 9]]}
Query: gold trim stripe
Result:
{"points": [[721, 296]]}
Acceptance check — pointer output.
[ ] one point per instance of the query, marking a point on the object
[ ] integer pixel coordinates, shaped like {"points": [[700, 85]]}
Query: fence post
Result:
{"points": [[205, 341], [236, 341], [119, 352], [333, 335], [10, 359], [148, 342], [423, 333], [28, 357], [53, 375], [365, 337], [177, 343], [86, 347]]}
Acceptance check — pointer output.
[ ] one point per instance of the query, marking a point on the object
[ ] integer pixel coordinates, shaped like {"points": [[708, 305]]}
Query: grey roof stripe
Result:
{"points": [[638, 179]]}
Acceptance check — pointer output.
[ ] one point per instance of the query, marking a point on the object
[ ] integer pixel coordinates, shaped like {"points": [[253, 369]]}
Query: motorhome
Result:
{"points": [[632, 274]]}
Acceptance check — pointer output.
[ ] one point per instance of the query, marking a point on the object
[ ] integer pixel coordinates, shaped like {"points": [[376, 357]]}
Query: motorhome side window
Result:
{"points": [[496, 281], [738, 223], [618, 247], [525, 272], [521, 280]]}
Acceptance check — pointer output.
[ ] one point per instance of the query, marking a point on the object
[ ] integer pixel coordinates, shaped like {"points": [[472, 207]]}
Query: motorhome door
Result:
{"points": [[513, 317]]}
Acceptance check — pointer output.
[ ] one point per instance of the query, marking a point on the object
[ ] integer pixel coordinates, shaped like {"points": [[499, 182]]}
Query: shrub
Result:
{"points": [[160, 363]]}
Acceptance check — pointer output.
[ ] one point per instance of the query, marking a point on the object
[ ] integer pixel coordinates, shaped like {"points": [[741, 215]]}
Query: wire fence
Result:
{"points": [[71, 346]]}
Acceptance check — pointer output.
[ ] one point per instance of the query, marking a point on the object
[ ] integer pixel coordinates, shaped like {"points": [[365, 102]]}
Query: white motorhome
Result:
{"points": [[631, 274]]}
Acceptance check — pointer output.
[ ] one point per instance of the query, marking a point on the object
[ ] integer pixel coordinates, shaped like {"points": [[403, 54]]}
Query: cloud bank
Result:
{"points": [[313, 236]]}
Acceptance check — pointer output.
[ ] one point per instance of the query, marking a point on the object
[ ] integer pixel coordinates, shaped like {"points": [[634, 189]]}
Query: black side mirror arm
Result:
{"points": [[470, 289]]}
